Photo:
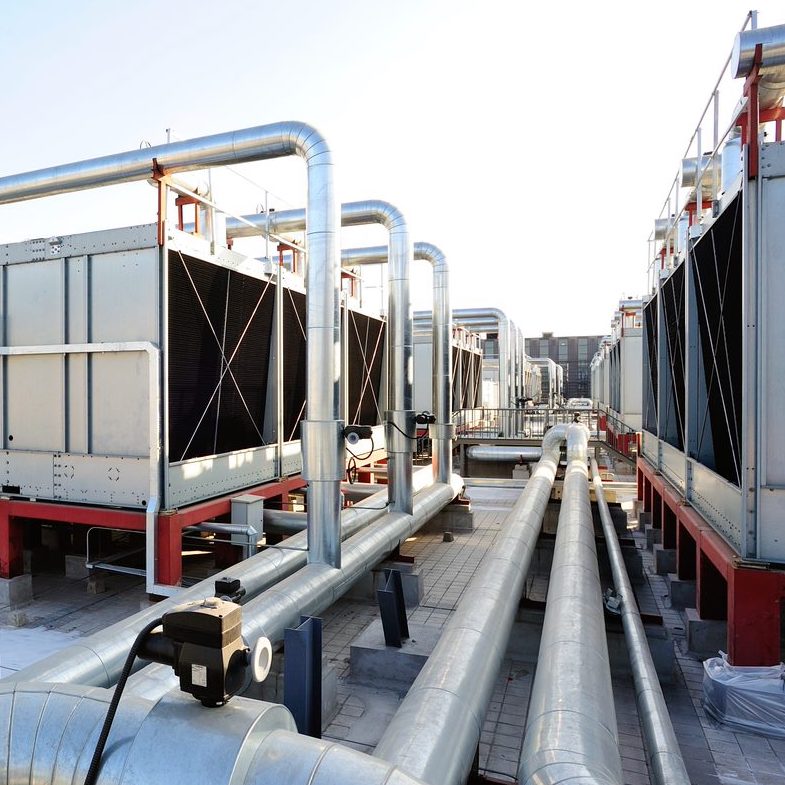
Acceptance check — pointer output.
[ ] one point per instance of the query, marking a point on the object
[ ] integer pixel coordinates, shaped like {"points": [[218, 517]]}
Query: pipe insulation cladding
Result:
{"points": [[399, 425], [571, 732], [321, 430], [442, 432], [771, 86], [48, 733], [317, 586], [666, 763], [435, 732]]}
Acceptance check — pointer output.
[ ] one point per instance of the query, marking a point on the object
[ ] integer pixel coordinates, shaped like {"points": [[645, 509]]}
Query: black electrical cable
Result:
{"points": [[407, 435], [351, 470], [363, 457], [95, 763]]}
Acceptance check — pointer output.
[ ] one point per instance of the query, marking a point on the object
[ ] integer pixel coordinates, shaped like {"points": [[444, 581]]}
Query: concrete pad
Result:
{"points": [[682, 592], [411, 578], [705, 636], [16, 591], [454, 518], [76, 567], [377, 665], [653, 537], [664, 560]]}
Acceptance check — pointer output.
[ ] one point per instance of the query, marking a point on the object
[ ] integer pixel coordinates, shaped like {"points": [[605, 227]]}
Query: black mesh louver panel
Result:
{"points": [[717, 277], [455, 359], [672, 293], [293, 363], [650, 366], [211, 410], [366, 353]]}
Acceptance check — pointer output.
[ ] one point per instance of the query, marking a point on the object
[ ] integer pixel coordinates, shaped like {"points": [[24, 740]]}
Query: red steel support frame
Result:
{"points": [[752, 595], [169, 569]]}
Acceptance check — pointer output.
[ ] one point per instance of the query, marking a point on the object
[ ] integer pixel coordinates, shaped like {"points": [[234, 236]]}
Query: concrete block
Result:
{"points": [[454, 518], [76, 567], [633, 562], [705, 636], [387, 667], [644, 520], [96, 585], [682, 592], [664, 560], [653, 537], [16, 591], [521, 472]]}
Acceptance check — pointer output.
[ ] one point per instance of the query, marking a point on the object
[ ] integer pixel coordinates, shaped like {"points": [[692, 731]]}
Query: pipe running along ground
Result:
{"points": [[48, 733], [666, 763], [571, 733], [317, 586], [435, 732]]}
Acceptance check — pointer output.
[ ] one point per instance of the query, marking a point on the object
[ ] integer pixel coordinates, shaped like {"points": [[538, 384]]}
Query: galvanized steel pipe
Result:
{"points": [[435, 732], [771, 86], [98, 659], [664, 756], [399, 425], [490, 319], [504, 453], [317, 586], [442, 432], [48, 733], [571, 732], [322, 429]]}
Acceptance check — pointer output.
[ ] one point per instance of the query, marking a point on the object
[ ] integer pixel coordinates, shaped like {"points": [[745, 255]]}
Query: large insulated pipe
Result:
{"points": [[322, 429], [442, 431], [48, 733], [399, 419], [504, 453], [664, 756], [771, 86], [571, 732], [435, 732], [98, 659], [491, 319], [316, 587]]}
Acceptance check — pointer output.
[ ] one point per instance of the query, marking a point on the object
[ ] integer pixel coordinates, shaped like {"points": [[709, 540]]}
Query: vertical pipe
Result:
{"points": [[571, 729], [442, 431], [322, 429], [665, 761]]}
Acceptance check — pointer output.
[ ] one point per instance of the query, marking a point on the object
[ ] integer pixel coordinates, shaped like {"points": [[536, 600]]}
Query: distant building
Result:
{"points": [[573, 353]]}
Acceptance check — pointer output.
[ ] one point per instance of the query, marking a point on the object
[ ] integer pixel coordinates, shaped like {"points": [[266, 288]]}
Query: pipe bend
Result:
{"points": [[376, 210]]}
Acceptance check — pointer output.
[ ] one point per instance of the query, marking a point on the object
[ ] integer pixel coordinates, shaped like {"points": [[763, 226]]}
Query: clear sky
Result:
{"points": [[533, 142]]}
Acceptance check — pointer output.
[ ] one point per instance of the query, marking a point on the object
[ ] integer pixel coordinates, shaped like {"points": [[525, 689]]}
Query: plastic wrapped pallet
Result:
{"points": [[745, 698]]}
